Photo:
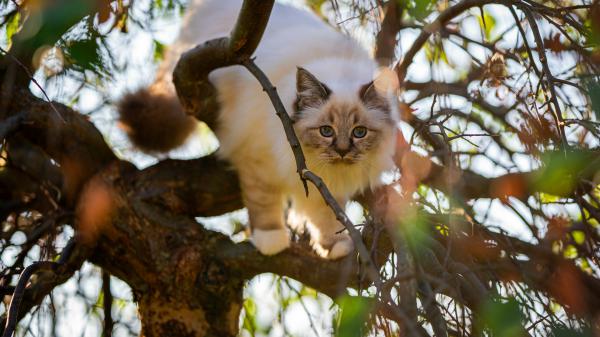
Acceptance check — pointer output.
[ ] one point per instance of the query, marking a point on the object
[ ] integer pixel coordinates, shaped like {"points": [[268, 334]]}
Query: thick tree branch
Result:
{"points": [[196, 93], [470, 185], [71, 140], [210, 186], [156, 186]]}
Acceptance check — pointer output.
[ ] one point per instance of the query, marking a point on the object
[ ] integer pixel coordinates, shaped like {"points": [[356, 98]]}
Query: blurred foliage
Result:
{"points": [[594, 89], [353, 315], [420, 9], [503, 318], [563, 169]]}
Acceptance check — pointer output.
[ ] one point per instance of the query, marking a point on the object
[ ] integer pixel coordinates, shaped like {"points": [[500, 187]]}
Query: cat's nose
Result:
{"points": [[342, 151]]}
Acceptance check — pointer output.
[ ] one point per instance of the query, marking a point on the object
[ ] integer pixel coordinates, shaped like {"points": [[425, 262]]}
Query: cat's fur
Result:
{"points": [[333, 87]]}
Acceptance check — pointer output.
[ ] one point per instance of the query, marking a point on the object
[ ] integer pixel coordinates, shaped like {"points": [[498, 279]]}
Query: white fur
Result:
{"points": [[270, 242], [251, 135]]}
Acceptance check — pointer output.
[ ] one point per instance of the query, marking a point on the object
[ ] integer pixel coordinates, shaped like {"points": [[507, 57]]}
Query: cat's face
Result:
{"points": [[340, 130]]}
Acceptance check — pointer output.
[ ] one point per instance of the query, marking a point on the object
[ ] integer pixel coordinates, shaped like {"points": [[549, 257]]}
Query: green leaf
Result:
{"points": [[592, 33], [503, 318], [578, 237], [316, 5], [413, 225], [420, 9], [548, 198], [570, 252], [594, 90], [84, 55], [249, 323], [354, 311], [159, 51], [435, 52], [57, 17], [585, 266], [561, 170], [487, 23], [12, 27]]}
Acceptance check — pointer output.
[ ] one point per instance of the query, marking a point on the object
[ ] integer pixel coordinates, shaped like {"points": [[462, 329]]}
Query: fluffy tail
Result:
{"points": [[154, 122]]}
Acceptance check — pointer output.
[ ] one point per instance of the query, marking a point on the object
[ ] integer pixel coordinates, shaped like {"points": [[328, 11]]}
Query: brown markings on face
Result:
{"points": [[316, 106], [372, 99], [310, 92], [343, 116]]}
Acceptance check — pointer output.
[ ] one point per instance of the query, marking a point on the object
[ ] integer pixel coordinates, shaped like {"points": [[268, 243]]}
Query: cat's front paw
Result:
{"points": [[341, 247], [271, 241]]}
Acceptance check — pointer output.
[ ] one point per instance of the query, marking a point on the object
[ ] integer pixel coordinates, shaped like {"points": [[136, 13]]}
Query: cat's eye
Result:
{"points": [[359, 132], [326, 131]]}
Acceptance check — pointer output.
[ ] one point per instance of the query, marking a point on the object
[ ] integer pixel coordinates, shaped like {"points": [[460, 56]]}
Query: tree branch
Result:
{"points": [[441, 20], [107, 302], [385, 41], [71, 140], [196, 93], [17, 297], [210, 186], [55, 273], [560, 124]]}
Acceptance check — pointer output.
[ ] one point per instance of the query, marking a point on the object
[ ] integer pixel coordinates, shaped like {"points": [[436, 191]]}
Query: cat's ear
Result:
{"points": [[372, 98], [310, 92]]}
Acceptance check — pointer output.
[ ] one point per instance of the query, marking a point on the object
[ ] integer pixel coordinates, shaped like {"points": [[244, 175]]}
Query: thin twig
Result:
{"points": [[37, 84], [15, 302], [107, 305], [435, 25], [550, 78], [282, 114], [17, 298]]}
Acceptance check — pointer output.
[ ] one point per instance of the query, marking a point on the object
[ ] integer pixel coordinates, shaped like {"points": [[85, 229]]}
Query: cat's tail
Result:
{"points": [[154, 120]]}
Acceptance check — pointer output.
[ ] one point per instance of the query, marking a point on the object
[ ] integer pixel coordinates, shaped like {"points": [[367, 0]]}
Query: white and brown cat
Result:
{"points": [[345, 123]]}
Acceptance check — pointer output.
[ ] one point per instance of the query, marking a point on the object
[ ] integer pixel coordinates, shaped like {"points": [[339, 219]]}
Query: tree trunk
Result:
{"points": [[167, 259], [163, 315]]}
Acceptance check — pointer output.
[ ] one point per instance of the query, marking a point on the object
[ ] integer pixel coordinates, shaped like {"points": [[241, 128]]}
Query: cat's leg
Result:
{"points": [[328, 235], [264, 202]]}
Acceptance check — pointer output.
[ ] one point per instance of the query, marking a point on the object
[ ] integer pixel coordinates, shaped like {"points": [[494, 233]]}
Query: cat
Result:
{"points": [[345, 121]]}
